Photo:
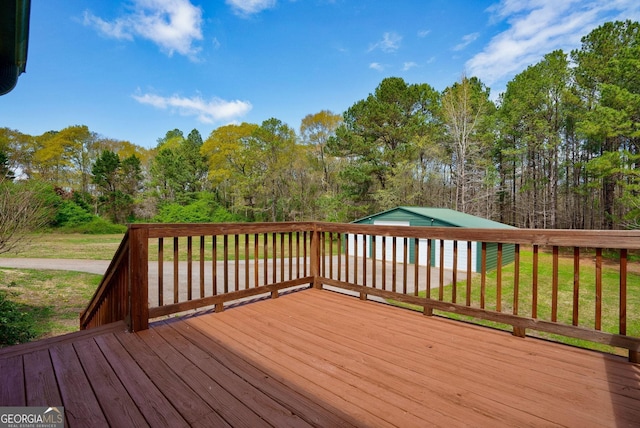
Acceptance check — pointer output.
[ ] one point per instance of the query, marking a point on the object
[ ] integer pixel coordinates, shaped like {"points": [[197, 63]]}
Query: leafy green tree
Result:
{"points": [[178, 171], [535, 135], [608, 82], [378, 135], [315, 131], [274, 144], [117, 182], [467, 114], [233, 166]]}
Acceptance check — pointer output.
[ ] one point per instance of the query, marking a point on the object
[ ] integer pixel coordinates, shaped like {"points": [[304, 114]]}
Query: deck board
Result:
{"points": [[318, 358]]}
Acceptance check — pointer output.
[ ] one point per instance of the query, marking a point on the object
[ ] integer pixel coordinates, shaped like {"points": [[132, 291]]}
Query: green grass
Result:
{"points": [[69, 246], [587, 296], [48, 301], [103, 247]]}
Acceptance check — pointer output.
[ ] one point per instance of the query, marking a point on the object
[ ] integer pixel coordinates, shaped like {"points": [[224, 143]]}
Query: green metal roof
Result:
{"points": [[14, 41], [451, 217]]}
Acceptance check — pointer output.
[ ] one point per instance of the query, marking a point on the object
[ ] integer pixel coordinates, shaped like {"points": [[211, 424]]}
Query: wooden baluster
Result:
{"points": [[176, 277], [202, 266], [394, 263], [404, 265], [483, 273], [499, 279], [160, 271], [384, 262], [454, 279], [598, 303], [534, 285], [265, 258], [214, 265], [576, 285], [374, 257], [554, 286], [469, 271], [189, 268], [416, 265], [225, 255], [441, 268], [256, 259], [236, 262]]}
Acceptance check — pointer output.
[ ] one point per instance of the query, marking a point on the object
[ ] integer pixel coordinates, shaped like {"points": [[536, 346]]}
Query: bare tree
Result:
{"points": [[25, 207]]}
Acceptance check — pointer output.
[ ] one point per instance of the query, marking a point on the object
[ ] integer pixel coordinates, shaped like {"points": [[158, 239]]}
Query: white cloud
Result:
{"points": [[376, 66], [466, 40], [174, 25], [408, 65], [423, 33], [537, 27], [390, 43], [211, 111], [250, 7]]}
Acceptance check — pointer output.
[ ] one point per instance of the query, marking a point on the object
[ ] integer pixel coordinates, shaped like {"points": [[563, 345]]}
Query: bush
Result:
{"points": [[99, 226], [204, 210], [16, 323], [70, 214]]}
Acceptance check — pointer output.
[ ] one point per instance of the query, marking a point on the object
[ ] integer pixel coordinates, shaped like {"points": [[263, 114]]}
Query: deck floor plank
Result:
{"points": [[441, 402], [523, 379], [40, 381], [80, 403], [263, 405], [529, 375], [12, 391], [192, 408], [323, 359], [155, 407], [233, 410], [290, 372], [296, 402], [107, 387], [359, 392]]}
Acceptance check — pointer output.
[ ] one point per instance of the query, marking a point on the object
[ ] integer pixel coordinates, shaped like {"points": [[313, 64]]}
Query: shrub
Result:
{"points": [[203, 210], [16, 323], [100, 226], [70, 214]]}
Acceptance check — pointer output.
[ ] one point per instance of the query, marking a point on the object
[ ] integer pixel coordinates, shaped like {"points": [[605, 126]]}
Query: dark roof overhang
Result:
{"points": [[14, 41]]}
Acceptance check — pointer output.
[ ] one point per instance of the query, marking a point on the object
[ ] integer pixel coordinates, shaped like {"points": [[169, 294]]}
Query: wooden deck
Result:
{"points": [[318, 358]]}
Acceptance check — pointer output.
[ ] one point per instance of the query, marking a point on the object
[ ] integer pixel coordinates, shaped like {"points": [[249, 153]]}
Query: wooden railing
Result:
{"points": [[519, 280], [111, 301]]}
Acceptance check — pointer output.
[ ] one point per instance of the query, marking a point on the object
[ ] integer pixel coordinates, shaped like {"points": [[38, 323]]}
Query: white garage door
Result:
{"points": [[462, 255], [388, 247]]}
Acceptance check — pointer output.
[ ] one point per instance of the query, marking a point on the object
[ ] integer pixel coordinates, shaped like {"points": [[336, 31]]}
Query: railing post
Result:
{"points": [[139, 278], [314, 256]]}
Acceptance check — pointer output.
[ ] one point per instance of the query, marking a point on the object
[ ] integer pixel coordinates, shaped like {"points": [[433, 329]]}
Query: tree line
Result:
{"points": [[558, 149]]}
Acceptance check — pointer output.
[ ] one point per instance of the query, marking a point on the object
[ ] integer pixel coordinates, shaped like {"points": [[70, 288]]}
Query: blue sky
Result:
{"points": [[134, 69]]}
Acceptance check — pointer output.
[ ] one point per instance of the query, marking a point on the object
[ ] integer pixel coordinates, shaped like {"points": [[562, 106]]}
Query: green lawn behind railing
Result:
{"points": [[587, 295]]}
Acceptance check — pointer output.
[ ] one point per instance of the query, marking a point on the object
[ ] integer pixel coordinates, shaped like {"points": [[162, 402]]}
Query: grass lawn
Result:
{"points": [[586, 293], [103, 247], [69, 246], [48, 302]]}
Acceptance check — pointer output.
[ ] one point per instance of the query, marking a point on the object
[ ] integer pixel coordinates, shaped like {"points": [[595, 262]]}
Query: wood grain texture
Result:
{"points": [[324, 359]]}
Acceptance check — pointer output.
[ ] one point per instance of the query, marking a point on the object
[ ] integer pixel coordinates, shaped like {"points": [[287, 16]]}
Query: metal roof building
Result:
{"points": [[439, 217]]}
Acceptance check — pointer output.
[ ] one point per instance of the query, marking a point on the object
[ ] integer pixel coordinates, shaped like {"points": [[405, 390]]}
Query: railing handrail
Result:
{"points": [[133, 252], [104, 288]]}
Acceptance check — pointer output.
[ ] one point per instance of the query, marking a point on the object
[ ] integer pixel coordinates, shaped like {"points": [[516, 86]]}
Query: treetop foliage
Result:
{"points": [[558, 149]]}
